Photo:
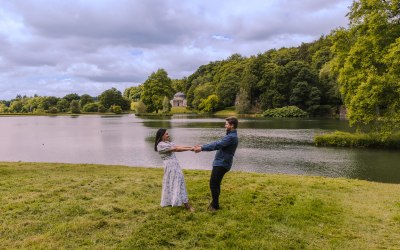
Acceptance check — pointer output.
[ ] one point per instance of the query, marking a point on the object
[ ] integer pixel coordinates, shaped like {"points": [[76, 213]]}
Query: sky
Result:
{"points": [[58, 47]]}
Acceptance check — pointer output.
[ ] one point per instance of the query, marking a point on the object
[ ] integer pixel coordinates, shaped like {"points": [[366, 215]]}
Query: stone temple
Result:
{"points": [[179, 100]]}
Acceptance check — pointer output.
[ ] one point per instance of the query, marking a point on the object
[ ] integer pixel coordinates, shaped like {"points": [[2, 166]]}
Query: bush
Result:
{"points": [[39, 111], [91, 107], [101, 109], [140, 107], [357, 140], [289, 111], [74, 107], [116, 109], [52, 110], [210, 104]]}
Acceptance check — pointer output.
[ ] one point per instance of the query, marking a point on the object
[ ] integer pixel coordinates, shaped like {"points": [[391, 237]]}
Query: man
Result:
{"points": [[223, 158]]}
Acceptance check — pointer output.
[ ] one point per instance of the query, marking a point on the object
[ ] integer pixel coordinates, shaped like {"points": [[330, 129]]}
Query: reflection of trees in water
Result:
{"points": [[157, 124], [376, 165]]}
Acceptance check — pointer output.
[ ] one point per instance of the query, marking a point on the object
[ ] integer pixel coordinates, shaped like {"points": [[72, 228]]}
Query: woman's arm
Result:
{"points": [[181, 148]]}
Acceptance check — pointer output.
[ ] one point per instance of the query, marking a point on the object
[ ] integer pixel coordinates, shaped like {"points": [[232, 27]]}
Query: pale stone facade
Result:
{"points": [[179, 100]]}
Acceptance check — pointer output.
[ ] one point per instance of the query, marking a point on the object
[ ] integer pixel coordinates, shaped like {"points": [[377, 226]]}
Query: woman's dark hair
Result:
{"points": [[159, 136]]}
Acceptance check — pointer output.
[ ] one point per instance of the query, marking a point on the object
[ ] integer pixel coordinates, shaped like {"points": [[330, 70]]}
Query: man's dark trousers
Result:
{"points": [[215, 184]]}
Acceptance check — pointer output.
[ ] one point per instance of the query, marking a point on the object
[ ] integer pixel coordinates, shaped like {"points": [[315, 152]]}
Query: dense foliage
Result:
{"points": [[367, 62], [289, 111], [155, 89], [71, 103], [274, 79]]}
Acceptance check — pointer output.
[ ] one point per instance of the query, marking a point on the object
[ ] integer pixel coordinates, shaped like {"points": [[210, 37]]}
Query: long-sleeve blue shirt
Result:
{"points": [[226, 149]]}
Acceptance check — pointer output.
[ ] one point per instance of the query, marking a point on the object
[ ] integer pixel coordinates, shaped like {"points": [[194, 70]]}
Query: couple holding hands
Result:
{"points": [[173, 187]]}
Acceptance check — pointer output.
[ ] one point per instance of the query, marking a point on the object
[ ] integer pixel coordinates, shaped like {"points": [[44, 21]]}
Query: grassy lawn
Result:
{"points": [[63, 206], [231, 111], [181, 110]]}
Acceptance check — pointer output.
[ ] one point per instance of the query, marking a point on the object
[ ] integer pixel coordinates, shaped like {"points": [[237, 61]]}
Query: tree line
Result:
{"points": [[110, 100], [358, 67]]}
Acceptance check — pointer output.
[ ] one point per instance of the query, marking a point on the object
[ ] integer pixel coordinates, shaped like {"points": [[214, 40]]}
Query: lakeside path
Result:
{"points": [[58, 206]]}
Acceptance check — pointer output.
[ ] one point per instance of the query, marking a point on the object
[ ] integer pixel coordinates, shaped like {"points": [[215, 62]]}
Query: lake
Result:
{"points": [[266, 145]]}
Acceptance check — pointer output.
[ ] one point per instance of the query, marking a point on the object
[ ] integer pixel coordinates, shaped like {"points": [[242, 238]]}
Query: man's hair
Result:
{"points": [[232, 121]]}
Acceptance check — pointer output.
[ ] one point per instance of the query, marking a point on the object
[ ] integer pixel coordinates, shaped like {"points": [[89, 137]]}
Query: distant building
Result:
{"points": [[179, 100]]}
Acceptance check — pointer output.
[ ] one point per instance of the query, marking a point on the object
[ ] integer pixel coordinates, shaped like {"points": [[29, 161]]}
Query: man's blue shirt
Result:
{"points": [[226, 149]]}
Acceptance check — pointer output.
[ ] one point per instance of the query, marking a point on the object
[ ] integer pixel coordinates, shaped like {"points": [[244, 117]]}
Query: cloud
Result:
{"points": [[101, 44]]}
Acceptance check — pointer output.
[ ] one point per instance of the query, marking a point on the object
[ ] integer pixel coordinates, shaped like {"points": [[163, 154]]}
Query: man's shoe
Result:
{"points": [[211, 208]]}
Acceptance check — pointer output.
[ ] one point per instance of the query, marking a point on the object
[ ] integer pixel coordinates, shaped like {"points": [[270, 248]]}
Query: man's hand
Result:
{"points": [[197, 148]]}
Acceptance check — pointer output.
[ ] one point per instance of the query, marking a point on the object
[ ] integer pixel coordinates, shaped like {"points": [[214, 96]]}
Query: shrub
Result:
{"points": [[210, 104], [116, 109], [140, 107], [74, 107], [101, 109], [289, 111], [52, 110], [91, 107]]}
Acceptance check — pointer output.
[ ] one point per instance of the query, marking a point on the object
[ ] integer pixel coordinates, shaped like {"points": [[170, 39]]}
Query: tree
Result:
{"points": [[63, 105], [71, 97], [46, 102], [140, 107], [227, 80], [91, 107], [155, 88], [300, 94], [244, 105], [116, 109], [85, 99], [201, 93], [133, 93], [178, 85], [113, 97], [210, 104], [3, 108], [166, 105], [75, 109], [16, 106], [363, 61]]}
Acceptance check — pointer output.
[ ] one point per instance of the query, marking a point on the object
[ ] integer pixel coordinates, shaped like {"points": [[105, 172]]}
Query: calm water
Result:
{"points": [[266, 145]]}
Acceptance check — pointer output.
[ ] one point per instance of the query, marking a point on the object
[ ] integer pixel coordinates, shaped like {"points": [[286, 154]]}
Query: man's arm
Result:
{"points": [[224, 142]]}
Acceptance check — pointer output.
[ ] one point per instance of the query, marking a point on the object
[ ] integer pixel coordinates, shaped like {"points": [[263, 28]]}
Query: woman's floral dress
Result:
{"points": [[173, 186]]}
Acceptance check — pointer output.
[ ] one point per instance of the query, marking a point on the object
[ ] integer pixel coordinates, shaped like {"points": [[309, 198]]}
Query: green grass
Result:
{"points": [[66, 206], [231, 111], [357, 140], [181, 110]]}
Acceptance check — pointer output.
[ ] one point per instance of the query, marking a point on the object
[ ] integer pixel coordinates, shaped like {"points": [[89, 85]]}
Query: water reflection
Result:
{"points": [[266, 145]]}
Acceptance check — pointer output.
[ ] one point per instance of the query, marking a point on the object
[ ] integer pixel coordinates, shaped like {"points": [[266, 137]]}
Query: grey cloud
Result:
{"points": [[100, 44], [143, 23]]}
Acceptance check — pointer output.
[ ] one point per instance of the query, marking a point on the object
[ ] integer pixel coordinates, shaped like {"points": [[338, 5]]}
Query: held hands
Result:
{"points": [[197, 148]]}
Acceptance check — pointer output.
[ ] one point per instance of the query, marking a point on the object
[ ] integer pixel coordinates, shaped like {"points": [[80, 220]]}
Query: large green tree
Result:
{"points": [[366, 62], [133, 93], [155, 88], [113, 97], [85, 99]]}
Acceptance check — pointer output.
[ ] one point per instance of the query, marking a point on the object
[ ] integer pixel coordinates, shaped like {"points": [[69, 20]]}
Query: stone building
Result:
{"points": [[179, 100]]}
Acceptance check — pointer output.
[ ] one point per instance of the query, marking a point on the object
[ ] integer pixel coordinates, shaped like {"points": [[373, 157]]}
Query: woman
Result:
{"points": [[173, 187]]}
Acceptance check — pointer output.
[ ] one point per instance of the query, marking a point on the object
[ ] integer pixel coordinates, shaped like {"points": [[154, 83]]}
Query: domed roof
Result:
{"points": [[180, 94]]}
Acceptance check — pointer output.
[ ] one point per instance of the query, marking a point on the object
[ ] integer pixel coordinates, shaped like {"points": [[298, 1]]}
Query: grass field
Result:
{"points": [[66, 206], [231, 111]]}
